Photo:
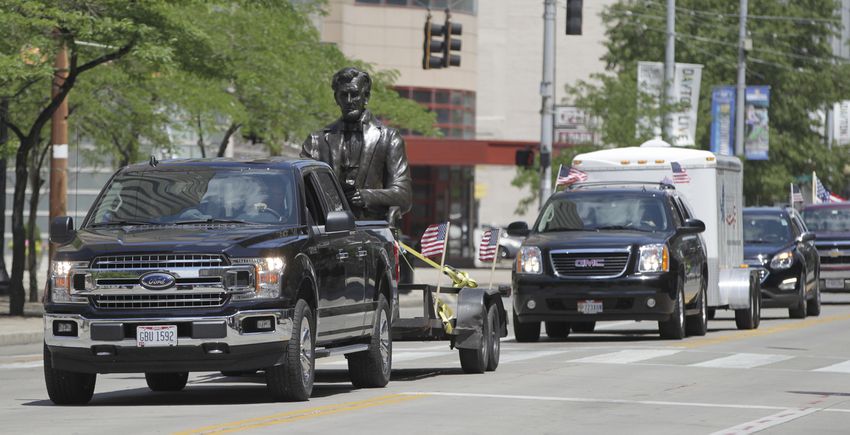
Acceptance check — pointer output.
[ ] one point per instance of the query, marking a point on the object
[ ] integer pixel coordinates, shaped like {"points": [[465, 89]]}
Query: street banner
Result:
{"points": [[841, 123], [723, 120], [574, 127], [756, 132], [686, 85]]}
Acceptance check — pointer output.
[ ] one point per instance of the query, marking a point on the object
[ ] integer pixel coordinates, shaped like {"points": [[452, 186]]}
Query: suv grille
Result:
{"points": [[191, 300], [168, 261], [590, 264]]}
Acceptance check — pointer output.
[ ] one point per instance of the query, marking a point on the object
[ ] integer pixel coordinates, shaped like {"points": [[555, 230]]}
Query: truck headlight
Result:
{"points": [[653, 258], [529, 260], [782, 260], [268, 275], [61, 282]]}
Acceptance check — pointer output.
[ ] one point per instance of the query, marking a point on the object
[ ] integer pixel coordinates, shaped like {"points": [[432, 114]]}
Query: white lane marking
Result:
{"points": [[615, 324], [766, 422], [626, 356], [514, 356], [842, 367], [743, 361], [21, 365]]}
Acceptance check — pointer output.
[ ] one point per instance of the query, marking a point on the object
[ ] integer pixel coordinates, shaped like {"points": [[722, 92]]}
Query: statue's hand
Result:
{"points": [[354, 197]]}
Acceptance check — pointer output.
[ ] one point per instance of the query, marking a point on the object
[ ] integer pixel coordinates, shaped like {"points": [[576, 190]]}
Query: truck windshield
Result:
{"points": [[827, 220], [766, 228], [197, 196], [604, 211]]}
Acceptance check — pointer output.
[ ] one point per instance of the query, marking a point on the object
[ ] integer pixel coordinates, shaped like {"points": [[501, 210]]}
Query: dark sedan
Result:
{"points": [[777, 242]]}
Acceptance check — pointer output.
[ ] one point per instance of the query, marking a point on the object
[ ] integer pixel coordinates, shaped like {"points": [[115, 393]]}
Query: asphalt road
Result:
{"points": [[789, 376]]}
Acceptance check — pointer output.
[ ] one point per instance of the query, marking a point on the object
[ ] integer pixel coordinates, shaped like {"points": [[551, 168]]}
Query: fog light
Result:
{"points": [[650, 302], [531, 304], [264, 324], [788, 284], [64, 328], [258, 324]]}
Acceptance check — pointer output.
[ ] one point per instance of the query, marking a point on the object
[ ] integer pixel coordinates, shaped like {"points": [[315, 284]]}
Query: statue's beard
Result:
{"points": [[352, 115]]}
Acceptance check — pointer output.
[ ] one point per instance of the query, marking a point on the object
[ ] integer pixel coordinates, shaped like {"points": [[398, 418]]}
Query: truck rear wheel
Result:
{"points": [[293, 380], [698, 324], [476, 360], [167, 381], [559, 330], [674, 328], [371, 368], [526, 332], [67, 388], [749, 318]]}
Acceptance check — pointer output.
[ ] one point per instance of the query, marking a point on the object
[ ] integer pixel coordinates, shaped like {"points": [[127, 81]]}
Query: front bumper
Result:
{"points": [[209, 343], [779, 288], [625, 298], [834, 277]]}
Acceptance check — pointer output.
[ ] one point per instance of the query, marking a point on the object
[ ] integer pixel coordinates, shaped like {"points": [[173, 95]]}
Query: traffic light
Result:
{"points": [[432, 46], [451, 44], [574, 17]]}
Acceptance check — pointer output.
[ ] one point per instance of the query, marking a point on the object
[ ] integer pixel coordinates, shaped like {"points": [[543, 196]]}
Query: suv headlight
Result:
{"points": [[529, 260], [782, 260], [62, 282], [653, 258], [268, 276]]}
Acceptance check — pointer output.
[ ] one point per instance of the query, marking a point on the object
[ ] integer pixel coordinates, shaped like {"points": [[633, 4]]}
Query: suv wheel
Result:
{"points": [[526, 332], [371, 368], [674, 328], [293, 380], [558, 330], [67, 388], [698, 324], [813, 308], [583, 326], [800, 311]]}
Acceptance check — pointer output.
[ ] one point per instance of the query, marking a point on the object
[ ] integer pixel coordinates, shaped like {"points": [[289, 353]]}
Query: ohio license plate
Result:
{"points": [[835, 283], [156, 336], [590, 307]]}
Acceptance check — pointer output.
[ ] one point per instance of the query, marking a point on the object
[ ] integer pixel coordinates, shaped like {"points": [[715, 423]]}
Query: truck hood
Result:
{"points": [[754, 251], [826, 237], [593, 239]]}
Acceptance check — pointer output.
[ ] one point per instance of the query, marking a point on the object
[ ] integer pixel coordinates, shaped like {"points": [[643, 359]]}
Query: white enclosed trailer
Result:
{"points": [[713, 187]]}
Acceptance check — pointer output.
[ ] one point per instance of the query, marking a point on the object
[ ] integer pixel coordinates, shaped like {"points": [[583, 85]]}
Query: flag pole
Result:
{"points": [[814, 189], [555, 183], [496, 256], [791, 193], [443, 258]]}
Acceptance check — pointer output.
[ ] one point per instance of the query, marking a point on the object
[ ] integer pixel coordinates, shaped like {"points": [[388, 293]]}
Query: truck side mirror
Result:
{"points": [[806, 237], [62, 230], [518, 229], [692, 226], [338, 221]]}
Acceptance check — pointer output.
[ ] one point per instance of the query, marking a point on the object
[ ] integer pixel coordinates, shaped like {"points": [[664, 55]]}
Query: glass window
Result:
{"points": [[368, 1], [397, 2], [329, 187], [443, 116], [314, 206], [766, 228], [602, 211], [828, 220], [442, 97], [422, 96]]}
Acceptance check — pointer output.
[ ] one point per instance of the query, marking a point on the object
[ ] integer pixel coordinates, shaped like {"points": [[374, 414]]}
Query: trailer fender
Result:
{"points": [[734, 284], [472, 306]]}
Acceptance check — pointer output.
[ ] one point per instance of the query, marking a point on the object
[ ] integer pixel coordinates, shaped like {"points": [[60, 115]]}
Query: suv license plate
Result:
{"points": [[589, 307], [835, 283], [156, 336]]}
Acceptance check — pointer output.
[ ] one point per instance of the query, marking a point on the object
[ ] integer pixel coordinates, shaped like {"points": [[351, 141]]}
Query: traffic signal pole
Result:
{"points": [[547, 92], [742, 81], [669, 70]]}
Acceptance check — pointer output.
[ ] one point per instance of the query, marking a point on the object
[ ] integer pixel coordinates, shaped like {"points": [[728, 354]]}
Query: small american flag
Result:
{"points": [[489, 246], [433, 240], [823, 195], [796, 196], [680, 175], [569, 175]]}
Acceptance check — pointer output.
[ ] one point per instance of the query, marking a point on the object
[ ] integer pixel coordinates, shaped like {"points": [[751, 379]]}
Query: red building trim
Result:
{"points": [[462, 152]]}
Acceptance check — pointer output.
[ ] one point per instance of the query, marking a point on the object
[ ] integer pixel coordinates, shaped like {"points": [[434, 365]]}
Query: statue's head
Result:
{"points": [[352, 89]]}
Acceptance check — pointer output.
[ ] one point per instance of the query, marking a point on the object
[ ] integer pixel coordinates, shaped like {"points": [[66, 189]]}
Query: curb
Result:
{"points": [[21, 338]]}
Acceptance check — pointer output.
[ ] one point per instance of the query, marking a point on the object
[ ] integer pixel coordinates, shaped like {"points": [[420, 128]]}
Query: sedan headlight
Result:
{"points": [[653, 258], [782, 260], [61, 282], [268, 275], [529, 260]]}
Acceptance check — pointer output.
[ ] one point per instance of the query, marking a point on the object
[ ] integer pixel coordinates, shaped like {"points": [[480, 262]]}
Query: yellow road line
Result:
{"points": [[301, 414], [740, 335]]}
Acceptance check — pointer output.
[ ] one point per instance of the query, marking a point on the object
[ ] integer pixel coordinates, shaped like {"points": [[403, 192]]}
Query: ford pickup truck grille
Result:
{"points": [[164, 300], [571, 264], [168, 261]]}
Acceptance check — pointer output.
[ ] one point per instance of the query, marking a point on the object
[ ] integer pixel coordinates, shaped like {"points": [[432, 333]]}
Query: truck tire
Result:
{"points": [[476, 360], [802, 308], [558, 330], [674, 329], [698, 324], [526, 332], [813, 309], [371, 368], [166, 381], [67, 388], [583, 326], [495, 340], [749, 318], [293, 380]]}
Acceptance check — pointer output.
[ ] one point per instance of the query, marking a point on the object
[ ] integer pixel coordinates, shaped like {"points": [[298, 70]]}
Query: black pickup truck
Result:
{"points": [[219, 265]]}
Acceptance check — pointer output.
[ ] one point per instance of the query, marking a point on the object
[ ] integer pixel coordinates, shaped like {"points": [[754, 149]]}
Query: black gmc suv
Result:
{"points": [[603, 251], [219, 265]]}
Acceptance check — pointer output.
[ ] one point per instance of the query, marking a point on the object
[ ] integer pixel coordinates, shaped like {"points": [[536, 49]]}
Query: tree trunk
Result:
{"points": [[33, 233], [4, 139], [226, 139], [201, 138], [16, 286]]}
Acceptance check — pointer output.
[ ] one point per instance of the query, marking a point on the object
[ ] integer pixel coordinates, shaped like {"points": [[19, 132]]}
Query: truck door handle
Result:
{"points": [[342, 255], [362, 252]]}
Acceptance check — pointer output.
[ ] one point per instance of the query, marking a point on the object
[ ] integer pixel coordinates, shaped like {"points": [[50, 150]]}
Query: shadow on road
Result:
{"points": [[819, 393]]}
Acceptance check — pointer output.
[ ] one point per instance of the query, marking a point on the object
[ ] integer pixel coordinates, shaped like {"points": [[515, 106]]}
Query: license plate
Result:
{"points": [[589, 307], [835, 283], [156, 336]]}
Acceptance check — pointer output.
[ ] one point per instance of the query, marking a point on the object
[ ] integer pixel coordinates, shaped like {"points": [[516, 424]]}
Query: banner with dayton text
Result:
{"points": [[687, 78], [723, 120], [756, 125], [841, 122]]}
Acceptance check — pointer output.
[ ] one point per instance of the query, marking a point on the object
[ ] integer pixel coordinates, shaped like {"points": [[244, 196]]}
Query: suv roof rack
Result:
{"points": [[590, 184]]}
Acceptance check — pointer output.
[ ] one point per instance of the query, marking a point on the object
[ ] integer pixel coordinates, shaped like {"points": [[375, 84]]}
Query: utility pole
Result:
{"points": [[669, 71], [742, 81], [547, 92], [59, 142]]}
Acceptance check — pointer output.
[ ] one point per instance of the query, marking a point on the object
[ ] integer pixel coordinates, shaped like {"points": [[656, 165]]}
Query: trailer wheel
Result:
{"points": [[557, 330], [67, 388], [674, 328], [526, 332], [371, 368], [698, 324], [166, 381], [749, 318], [495, 339], [477, 360], [293, 380], [802, 308]]}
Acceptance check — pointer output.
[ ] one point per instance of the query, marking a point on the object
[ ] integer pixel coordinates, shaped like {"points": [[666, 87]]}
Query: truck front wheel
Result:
{"points": [[526, 332], [371, 368], [67, 388], [675, 327], [293, 380]]}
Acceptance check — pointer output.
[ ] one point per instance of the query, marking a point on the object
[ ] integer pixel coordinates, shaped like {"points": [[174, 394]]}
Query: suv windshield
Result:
{"points": [[197, 196], [827, 220], [601, 211], [766, 228]]}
